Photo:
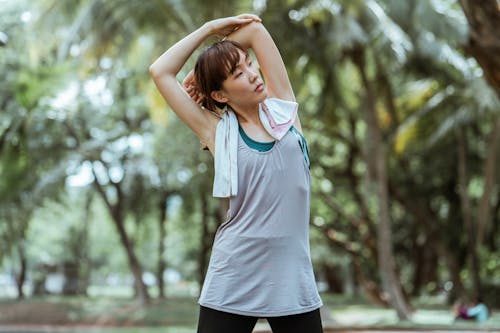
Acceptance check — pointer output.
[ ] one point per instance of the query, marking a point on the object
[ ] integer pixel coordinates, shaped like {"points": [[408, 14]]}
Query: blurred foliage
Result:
{"points": [[78, 109]]}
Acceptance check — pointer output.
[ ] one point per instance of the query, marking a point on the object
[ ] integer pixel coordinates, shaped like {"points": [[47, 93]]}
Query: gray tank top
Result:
{"points": [[260, 264]]}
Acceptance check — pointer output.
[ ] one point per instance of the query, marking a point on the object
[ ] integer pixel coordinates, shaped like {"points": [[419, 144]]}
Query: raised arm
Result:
{"points": [[165, 69], [256, 37]]}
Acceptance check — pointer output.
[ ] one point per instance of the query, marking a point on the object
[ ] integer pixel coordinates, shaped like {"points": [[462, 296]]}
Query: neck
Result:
{"points": [[247, 114]]}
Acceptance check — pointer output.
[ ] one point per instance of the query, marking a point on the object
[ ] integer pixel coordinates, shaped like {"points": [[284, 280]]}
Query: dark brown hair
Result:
{"points": [[214, 66]]}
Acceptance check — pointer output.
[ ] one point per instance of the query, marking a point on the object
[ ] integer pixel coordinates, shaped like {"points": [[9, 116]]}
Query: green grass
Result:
{"points": [[179, 315], [429, 314], [167, 329], [102, 311]]}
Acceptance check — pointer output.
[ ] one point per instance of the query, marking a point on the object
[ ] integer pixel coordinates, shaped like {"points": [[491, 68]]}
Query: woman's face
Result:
{"points": [[244, 86]]}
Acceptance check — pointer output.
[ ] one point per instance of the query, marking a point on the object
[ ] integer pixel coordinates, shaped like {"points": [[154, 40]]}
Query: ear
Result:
{"points": [[219, 96]]}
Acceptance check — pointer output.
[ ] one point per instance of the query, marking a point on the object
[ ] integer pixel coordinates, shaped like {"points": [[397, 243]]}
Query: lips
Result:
{"points": [[259, 87]]}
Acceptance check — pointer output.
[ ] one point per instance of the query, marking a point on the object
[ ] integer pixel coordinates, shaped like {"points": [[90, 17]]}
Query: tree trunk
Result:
{"points": [[484, 39], [486, 205], [77, 269], [387, 263], [333, 278], [204, 240], [116, 212], [135, 267], [424, 217], [429, 268], [21, 276], [162, 222], [484, 45], [466, 209], [370, 287], [86, 269], [376, 158], [495, 230], [71, 272]]}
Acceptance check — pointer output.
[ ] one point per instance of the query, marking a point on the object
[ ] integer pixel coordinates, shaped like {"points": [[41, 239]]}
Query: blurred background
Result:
{"points": [[106, 213]]}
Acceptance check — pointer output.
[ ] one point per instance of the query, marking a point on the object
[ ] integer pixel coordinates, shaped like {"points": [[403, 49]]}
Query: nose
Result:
{"points": [[253, 75]]}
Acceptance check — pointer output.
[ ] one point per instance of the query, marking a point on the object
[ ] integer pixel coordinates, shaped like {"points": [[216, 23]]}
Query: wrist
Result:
{"points": [[208, 29]]}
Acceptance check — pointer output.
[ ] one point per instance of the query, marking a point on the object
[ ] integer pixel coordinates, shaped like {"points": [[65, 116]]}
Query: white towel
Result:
{"points": [[276, 115]]}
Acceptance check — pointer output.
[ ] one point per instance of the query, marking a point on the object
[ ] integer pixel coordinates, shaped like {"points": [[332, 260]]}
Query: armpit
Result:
{"points": [[203, 145]]}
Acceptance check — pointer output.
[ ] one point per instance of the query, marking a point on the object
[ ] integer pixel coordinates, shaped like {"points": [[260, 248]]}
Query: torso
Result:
{"points": [[260, 263], [256, 132]]}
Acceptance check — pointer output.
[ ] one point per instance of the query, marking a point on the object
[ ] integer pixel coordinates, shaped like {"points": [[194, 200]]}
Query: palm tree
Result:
{"points": [[484, 45], [103, 30]]}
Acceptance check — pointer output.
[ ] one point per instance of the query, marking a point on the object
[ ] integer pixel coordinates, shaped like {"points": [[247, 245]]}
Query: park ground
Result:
{"points": [[179, 315]]}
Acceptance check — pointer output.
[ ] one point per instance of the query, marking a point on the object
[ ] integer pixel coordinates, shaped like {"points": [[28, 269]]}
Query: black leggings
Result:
{"points": [[214, 321]]}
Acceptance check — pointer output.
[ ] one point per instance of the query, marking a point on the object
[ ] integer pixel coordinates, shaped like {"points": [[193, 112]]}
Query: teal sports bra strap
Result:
{"points": [[302, 144]]}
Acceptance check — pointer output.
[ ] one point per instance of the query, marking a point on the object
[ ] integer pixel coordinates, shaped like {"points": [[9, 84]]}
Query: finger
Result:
{"points": [[246, 21], [240, 21], [247, 15], [250, 16]]}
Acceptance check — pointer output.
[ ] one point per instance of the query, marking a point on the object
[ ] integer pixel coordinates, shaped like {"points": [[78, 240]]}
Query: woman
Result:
{"points": [[260, 265]]}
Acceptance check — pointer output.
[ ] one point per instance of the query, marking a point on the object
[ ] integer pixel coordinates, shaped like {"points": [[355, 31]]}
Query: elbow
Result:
{"points": [[159, 71], [248, 34], [153, 70], [253, 25], [255, 28]]}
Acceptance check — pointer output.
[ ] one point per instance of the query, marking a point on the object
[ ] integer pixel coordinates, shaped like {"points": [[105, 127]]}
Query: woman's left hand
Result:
{"points": [[224, 26]]}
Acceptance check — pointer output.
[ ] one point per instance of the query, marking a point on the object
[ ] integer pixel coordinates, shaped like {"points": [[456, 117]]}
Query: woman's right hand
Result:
{"points": [[224, 26], [189, 85]]}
